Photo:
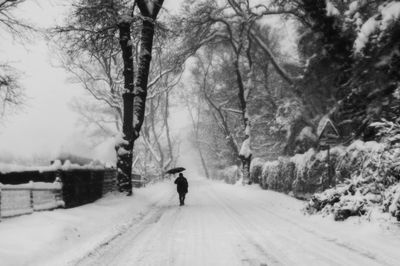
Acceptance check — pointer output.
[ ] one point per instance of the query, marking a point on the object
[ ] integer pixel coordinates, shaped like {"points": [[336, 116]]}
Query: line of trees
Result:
{"points": [[265, 100], [107, 46], [248, 93]]}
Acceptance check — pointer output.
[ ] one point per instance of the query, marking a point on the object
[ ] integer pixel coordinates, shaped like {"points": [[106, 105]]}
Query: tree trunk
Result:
{"points": [[134, 95], [124, 148], [149, 11], [246, 154], [246, 169], [244, 158]]}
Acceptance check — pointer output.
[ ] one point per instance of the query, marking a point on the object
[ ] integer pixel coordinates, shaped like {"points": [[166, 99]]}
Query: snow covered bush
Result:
{"points": [[302, 174], [357, 157], [269, 173], [305, 139], [286, 175], [256, 167], [278, 175], [392, 201], [368, 177], [342, 202]]}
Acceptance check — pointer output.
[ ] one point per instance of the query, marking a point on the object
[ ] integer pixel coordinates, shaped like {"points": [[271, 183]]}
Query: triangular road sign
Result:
{"points": [[329, 131]]}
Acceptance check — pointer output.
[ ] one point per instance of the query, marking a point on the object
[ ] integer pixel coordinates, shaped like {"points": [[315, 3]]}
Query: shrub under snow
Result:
{"points": [[367, 175], [369, 178], [256, 167]]}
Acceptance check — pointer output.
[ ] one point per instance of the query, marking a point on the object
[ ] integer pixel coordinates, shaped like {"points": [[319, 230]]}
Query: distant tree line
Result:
{"points": [[343, 64]]}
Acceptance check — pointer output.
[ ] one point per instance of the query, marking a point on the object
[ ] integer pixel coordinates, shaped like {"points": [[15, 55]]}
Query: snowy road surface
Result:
{"points": [[232, 225]]}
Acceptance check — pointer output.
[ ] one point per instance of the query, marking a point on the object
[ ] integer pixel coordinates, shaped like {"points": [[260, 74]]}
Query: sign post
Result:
{"points": [[328, 136]]}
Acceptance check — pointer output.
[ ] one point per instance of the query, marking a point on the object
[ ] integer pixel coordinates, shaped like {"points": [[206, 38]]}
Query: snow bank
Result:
{"points": [[56, 237]]}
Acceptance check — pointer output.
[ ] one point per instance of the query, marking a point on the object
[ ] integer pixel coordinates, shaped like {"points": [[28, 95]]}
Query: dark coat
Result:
{"points": [[181, 185]]}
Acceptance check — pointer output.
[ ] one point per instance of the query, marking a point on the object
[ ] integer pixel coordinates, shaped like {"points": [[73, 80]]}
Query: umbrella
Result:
{"points": [[175, 170]]}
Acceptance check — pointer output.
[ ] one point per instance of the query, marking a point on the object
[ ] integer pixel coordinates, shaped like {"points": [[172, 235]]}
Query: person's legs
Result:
{"points": [[181, 198]]}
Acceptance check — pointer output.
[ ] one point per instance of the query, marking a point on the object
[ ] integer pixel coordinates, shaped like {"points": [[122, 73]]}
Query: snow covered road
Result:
{"points": [[232, 225]]}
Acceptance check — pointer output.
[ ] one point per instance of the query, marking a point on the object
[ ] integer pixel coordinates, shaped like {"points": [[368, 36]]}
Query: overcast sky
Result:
{"points": [[47, 124]]}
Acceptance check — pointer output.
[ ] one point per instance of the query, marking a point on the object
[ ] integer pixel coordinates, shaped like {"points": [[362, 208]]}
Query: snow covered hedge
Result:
{"points": [[371, 178], [256, 168], [278, 175], [367, 175]]}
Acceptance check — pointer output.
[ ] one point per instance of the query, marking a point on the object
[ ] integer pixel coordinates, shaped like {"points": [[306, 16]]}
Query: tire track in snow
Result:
{"points": [[229, 211], [133, 230], [262, 207], [362, 252], [233, 228]]}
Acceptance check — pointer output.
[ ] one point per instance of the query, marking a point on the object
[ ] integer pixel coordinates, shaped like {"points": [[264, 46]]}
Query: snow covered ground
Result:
{"points": [[220, 225]]}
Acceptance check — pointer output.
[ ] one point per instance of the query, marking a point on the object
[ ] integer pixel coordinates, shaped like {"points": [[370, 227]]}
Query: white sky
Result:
{"points": [[47, 124], [46, 120]]}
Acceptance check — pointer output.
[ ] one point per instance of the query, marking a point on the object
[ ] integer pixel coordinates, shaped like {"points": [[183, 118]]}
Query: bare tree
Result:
{"points": [[9, 22], [98, 25], [232, 30], [11, 93]]}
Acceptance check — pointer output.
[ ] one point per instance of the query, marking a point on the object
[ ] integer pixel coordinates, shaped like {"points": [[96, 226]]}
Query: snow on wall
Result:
{"points": [[27, 198], [57, 165], [34, 185], [7, 168]]}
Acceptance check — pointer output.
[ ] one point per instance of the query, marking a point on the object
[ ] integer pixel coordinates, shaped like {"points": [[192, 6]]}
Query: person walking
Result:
{"points": [[182, 188]]}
